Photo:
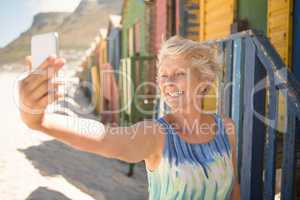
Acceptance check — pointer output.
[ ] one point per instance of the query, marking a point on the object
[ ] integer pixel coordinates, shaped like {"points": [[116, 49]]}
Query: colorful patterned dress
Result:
{"points": [[192, 171]]}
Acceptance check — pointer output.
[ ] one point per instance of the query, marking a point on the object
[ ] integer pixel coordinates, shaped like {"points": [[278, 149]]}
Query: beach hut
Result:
{"points": [[102, 57], [88, 78], [94, 81], [167, 19], [279, 20], [114, 42], [84, 77], [190, 19], [133, 28], [137, 66], [108, 95], [216, 18]]}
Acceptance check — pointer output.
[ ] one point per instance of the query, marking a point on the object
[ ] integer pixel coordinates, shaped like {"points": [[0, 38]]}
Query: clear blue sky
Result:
{"points": [[16, 15]]}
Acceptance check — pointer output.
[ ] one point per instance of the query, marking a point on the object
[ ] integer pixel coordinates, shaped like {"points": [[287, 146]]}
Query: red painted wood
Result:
{"points": [[177, 16], [160, 23]]}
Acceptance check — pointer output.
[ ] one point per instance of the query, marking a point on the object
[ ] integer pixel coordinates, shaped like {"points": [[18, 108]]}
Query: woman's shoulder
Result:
{"points": [[164, 120], [167, 118]]}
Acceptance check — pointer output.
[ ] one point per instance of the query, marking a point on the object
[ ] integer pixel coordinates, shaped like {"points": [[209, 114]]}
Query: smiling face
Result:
{"points": [[186, 70], [181, 86]]}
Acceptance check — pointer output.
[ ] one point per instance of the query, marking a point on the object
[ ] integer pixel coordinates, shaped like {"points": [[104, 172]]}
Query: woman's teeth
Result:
{"points": [[175, 94]]}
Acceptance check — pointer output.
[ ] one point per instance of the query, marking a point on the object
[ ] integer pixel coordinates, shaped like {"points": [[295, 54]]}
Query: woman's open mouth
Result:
{"points": [[174, 95]]}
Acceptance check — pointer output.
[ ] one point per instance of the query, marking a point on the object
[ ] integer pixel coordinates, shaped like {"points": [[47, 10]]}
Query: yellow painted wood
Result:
{"points": [[100, 89], [96, 88], [279, 27], [279, 30], [210, 100], [131, 41], [216, 18], [103, 52]]}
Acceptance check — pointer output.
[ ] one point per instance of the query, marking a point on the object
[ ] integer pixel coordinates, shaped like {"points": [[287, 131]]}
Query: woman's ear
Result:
{"points": [[204, 87], [205, 90]]}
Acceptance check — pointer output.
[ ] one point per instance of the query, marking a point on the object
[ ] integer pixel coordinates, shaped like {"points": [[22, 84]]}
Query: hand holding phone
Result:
{"points": [[36, 91], [34, 95]]}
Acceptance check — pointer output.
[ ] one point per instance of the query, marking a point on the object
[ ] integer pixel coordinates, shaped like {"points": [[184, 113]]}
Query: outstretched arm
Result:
{"points": [[131, 144]]}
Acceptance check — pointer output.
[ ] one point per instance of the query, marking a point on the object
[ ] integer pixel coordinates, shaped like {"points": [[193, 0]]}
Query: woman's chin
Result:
{"points": [[176, 103], [175, 106]]}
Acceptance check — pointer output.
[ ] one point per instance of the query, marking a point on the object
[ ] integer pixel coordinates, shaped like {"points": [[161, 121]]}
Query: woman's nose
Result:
{"points": [[171, 82], [171, 79]]}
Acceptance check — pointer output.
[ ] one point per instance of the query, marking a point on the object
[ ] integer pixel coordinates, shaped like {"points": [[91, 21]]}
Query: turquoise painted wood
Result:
{"points": [[287, 81], [138, 93], [271, 137], [253, 141], [236, 82], [133, 12], [228, 79], [237, 89], [289, 161]]}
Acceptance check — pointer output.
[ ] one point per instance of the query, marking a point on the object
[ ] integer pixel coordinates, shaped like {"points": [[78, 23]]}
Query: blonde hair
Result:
{"points": [[202, 56]]}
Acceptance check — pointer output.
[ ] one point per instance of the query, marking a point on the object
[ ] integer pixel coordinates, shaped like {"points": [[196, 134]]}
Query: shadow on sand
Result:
{"points": [[92, 174], [46, 194]]}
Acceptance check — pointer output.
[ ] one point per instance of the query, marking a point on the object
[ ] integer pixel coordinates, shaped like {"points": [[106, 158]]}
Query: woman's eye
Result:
{"points": [[180, 74], [162, 77]]}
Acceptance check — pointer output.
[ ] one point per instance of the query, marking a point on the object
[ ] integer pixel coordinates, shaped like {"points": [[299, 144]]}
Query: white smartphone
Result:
{"points": [[42, 46]]}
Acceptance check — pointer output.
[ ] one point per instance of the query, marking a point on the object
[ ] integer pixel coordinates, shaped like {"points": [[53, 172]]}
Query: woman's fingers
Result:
{"points": [[44, 88], [45, 72], [38, 75], [45, 64], [37, 85], [48, 99]]}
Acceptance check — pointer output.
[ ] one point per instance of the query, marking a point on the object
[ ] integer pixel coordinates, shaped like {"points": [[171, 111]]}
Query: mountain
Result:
{"points": [[80, 28], [76, 30]]}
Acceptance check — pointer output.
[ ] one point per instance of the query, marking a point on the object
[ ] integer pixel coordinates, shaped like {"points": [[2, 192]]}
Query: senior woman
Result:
{"points": [[188, 154]]}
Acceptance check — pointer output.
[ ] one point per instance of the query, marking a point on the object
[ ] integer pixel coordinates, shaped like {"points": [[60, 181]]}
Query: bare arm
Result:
{"points": [[230, 129], [131, 144]]}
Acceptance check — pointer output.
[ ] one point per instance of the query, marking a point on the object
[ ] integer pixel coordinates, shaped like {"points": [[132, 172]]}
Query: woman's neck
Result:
{"points": [[183, 117], [193, 126], [185, 120]]}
